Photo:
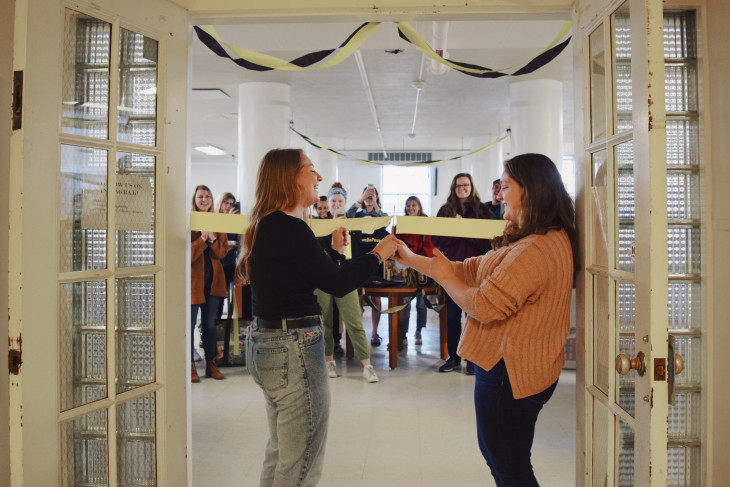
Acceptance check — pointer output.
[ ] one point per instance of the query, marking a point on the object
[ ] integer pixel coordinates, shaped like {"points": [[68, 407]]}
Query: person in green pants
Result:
{"points": [[348, 305]]}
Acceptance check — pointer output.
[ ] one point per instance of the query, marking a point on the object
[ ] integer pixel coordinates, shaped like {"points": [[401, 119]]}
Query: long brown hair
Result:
{"points": [[221, 198], [420, 206], [546, 205], [203, 187], [276, 190], [473, 201]]}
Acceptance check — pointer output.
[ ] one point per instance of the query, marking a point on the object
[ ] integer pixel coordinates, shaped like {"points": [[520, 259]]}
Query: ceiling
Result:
{"points": [[332, 104]]}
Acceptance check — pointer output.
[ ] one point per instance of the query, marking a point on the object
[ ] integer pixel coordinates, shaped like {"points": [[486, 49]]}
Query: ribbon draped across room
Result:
{"points": [[420, 225], [318, 60], [437, 162]]}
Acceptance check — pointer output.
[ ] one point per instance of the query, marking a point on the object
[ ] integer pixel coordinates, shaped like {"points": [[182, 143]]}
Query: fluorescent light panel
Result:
{"points": [[210, 150]]}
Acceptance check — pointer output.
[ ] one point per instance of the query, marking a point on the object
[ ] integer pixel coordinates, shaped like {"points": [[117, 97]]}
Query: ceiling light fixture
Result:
{"points": [[210, 150]]}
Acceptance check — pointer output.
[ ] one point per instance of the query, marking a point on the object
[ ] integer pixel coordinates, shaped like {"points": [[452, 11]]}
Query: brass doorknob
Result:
{"points": [[678, 364], [624, 364]]}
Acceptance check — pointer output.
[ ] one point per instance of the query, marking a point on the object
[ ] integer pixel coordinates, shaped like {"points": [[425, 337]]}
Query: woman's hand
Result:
{"points": [[387, 247], [403, 254], [340, 240], [440, 268], [206, 236]]}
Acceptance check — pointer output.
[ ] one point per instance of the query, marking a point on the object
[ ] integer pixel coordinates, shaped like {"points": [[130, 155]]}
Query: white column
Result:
{"points": [[486, 166], [263, 124], [536, 118]]}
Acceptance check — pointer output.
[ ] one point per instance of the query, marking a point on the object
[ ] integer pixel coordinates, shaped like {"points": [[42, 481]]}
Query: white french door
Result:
{"points": [[642, 387], [95, 164]]}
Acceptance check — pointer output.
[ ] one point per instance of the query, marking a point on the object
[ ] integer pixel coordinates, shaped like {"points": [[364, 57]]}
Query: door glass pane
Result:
{"points": [[622, 89], [85, 95], [626, 343], [600, 443], [683, 248], [83, 203], [82, 315], [598, 84], [135, 332], [135, 205], [84, 451], [136, 458], [601, 335], [684, 467], [600, 208], [685, 305], [137, 104], [624, 454], [625, 200]]}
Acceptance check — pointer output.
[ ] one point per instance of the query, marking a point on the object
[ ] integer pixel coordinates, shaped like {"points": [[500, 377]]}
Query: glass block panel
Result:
{"points": [[598, 84], [680, 81], [621, 27], [600, 207], [85, 95], [601, 455], [135, 332], [625, 197], [135, 209], [683, 249], [84, 451], [626, 343], [624, 454], [83, 204], [137, 98], [690, 349], [626, 237], [136, 457], [601, 333], [683, 140], [684, 417], [685, 305], [684, 468], [680, 35], [82, 324], [683, 195]]}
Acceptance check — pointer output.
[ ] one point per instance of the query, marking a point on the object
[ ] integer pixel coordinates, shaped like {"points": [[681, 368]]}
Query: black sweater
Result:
{"points": [[287, 265]]}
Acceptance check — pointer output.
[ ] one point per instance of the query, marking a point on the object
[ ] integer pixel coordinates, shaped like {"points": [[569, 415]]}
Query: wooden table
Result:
{"points": [[395, 297]]}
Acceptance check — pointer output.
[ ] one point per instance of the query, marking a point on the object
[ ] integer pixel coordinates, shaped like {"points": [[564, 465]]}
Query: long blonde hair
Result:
{"points": [[276, 190]]}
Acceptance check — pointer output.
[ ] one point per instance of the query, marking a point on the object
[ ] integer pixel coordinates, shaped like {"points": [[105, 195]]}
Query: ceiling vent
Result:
{"points": [[400, 156]]}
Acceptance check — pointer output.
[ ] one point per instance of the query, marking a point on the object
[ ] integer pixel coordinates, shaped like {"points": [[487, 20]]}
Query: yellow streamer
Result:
{"points": [[218, 222], [450, 227]]}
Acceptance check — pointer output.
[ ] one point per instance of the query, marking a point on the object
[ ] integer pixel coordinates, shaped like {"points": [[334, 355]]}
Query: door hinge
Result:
{"points": [[15, 356], [17, 100]]}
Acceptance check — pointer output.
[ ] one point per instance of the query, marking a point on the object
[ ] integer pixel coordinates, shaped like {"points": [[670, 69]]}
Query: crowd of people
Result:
{"points": [[513, 291]]}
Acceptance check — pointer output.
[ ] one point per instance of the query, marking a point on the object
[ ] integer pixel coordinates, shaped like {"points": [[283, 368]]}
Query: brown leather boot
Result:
{"points": [[211, 370], [194, 377]]}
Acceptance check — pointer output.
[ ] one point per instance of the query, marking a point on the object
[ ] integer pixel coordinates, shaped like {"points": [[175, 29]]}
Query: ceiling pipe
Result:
{"points": [[371, 100], [438, 44], [418, 84]]}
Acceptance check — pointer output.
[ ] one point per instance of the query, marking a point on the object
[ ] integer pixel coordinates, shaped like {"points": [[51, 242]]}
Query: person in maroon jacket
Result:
{"points": [[463, 202], [419, 245]]}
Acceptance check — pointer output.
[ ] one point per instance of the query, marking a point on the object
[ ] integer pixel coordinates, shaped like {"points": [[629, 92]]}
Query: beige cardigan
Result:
{"points": [[518, 304]]}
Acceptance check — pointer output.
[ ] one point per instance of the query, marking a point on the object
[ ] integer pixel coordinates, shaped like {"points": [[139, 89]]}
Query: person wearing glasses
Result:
{"points": [[463, 202]]}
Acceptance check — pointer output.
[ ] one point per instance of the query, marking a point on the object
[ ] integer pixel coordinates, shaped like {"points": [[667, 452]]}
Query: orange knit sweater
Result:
{"points": [[217, 251], [518, 304]]}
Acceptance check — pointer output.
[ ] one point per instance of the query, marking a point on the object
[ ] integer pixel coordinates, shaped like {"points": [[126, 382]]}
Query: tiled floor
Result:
{"points": [[413, 428]]}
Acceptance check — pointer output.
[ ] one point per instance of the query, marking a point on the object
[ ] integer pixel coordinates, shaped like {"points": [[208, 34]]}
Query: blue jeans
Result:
{"points": [[421, 311], [506, 426], [208, 311], [289, 367]]}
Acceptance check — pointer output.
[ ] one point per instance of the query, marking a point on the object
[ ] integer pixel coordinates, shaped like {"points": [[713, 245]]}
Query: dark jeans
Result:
{"points": [[454, 314], [506, 426], [207, 329]]}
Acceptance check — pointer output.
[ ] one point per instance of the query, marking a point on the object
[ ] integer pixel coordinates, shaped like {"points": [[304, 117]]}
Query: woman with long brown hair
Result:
{"points": [[463, 202], [207, 284], [285, 348], [517, 298]]}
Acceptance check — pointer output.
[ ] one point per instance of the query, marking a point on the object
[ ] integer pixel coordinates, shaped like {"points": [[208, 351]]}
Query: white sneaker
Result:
{"points": [[332, 369], [368, 373]]}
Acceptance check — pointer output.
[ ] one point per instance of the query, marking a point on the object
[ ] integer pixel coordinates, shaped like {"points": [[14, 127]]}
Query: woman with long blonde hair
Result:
{"points": [[285, 348]]}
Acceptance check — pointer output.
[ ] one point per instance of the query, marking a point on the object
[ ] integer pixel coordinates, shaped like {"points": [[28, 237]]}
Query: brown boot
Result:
{"points": [[194, 377], [211, 370]]}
